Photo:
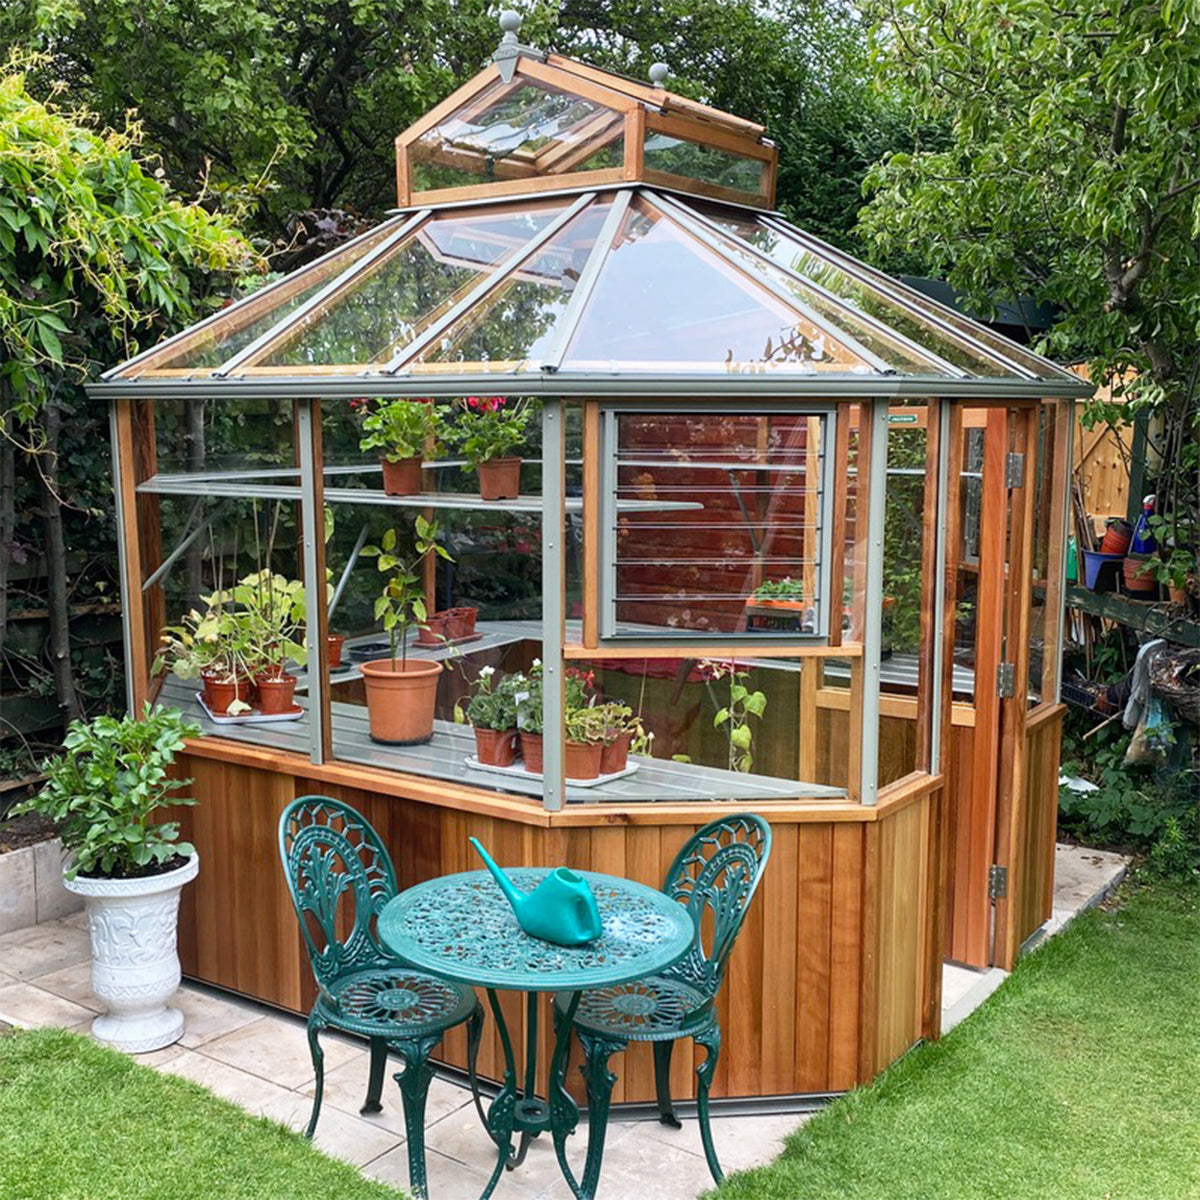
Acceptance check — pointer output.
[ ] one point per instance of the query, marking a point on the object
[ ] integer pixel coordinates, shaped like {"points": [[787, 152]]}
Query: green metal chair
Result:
{"points": [[715, 875], [340, 876]]}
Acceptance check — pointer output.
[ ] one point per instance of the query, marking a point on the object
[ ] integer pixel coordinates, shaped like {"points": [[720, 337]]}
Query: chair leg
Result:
{"points": [[414, 1087], [662, 1084], [710, 1039], [315, 1025], [599, 1079], [474, 1034], [379, 1053]]}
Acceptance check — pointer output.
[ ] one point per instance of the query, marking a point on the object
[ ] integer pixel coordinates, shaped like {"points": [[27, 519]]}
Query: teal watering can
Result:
{"points": [[561, 909]]}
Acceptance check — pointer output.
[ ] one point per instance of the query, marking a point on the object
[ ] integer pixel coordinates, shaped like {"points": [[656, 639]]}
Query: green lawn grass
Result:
{"points": [[79, 1122], [1079, 1079]]}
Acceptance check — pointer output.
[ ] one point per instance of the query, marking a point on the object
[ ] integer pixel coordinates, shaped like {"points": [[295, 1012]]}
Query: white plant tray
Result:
{"points": [[253, 717], [518, 770]]}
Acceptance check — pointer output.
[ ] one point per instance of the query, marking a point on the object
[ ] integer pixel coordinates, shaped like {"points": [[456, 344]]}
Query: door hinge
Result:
{"points": [[1014, 470], [1006, 680], [997, 882]]}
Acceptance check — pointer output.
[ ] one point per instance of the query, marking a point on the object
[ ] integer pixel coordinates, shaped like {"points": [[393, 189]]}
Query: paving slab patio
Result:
{"points": [[258, 1059]]}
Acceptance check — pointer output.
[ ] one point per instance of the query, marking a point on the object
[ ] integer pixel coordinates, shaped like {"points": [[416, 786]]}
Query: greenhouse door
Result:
{"points": [[986, 791]]}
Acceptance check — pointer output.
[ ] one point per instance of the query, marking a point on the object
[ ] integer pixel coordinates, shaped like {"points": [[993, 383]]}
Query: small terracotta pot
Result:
{"points": [[402, 478], [582, 760], [275, 695], [224, 692], [500, 479], [1178, 596], [1139, 576], [207, 679], [495, 747], [333, 649], [1116, 538], [460, 622], [432, 631], [614, 757], [401, 698], [531, 751]]}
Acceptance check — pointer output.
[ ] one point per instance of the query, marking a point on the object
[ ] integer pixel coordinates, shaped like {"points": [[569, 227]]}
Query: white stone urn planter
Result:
{"points": [[135, 966]]}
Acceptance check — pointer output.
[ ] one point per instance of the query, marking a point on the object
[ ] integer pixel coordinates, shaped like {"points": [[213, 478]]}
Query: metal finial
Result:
{"points": [[510, 25], [658, 74]]}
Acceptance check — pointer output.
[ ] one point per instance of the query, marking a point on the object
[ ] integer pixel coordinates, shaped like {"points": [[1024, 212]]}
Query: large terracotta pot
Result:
{"points": [[582, 760], [402, 478], [615, 756], [531, 751], [495, 747], [500, 479], [400, 701], [135, 966], [275, 694]]}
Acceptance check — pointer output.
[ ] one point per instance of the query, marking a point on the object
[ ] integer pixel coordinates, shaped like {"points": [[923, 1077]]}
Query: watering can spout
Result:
{"points": [[514, 897]]}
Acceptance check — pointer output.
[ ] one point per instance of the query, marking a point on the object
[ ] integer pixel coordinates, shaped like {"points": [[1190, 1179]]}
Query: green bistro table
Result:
{"points": [[462, 928]]}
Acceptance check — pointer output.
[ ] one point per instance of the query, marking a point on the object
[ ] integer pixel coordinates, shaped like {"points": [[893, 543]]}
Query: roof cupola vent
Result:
{"points": [[658, 74]]}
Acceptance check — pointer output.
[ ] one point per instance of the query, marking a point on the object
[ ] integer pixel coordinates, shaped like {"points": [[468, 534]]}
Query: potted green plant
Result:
{"points": [[402, 695], [486, 431], [620, 727], [585, 732], [104, 791], [527, 696], [272, 609], [492, 714], [403, 431]]}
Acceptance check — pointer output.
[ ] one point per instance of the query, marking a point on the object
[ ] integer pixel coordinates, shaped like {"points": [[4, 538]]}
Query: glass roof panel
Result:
{"points": [[211, 345], [517, 322], [709, 164], [384, 307], [517, 130], [664, 301], [905, 317]]}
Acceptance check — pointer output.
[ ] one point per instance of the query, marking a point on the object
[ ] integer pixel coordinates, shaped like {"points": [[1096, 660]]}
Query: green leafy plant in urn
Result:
{"points": [[561, 909]]}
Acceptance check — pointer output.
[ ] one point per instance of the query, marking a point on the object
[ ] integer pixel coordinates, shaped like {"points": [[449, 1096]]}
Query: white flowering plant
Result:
{"points": [[493, 704]]}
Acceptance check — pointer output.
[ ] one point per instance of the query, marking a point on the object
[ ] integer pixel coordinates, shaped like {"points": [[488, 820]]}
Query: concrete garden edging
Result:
{"points": [[31, 887]]}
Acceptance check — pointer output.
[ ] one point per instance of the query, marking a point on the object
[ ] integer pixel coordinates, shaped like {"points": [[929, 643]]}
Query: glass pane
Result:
{"points": [[806, 259], [518, 320], [664, 301], [213, 345], [516, 130], [392, 300], [202, 435], [710, 164], [894, 353], [718, 524]]}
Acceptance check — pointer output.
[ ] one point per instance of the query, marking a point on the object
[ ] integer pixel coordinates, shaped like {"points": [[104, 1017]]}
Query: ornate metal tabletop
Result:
{"points": [[461, 927]]}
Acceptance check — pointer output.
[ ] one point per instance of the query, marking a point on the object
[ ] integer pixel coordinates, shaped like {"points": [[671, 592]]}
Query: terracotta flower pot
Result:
{"points": [[333, 649], [614, 756], [402, 478], [1116, 538], [1139, 576], [582, 760], [400, 702], [207, 679], [460, 622], [275, 694], [432, 631], [495, 747], [531, 751], [1178, 596], [223, 692], [500, 479]]}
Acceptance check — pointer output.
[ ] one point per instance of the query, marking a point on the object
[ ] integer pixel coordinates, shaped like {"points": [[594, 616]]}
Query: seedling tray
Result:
{"points": [[253, 717], [518, 771]]}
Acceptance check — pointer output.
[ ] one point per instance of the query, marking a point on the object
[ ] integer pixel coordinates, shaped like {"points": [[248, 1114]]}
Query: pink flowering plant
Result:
{"points": [[489, 427]]}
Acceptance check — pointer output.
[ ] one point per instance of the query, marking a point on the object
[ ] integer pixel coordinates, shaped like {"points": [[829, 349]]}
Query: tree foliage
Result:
{"points": [[1069, 172]]}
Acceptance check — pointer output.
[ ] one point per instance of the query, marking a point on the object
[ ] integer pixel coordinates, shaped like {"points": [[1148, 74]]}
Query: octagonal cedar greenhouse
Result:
{"points": [[803, 523]]}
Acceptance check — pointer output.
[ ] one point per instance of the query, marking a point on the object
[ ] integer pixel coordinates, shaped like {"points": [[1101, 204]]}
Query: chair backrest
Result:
{"points": [[340, 876], [715, 875]]}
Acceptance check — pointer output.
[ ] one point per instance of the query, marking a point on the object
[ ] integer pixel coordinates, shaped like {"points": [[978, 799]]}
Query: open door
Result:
{"points": [[992, 649]]}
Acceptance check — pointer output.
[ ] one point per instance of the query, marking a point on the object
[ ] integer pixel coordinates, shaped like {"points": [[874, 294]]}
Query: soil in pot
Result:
{"points": [[495, 747], [531, 751], [402, 478], [333, 649], [275, 695], [582, 760], [614, 756], [401, 698], [500, 479]]}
